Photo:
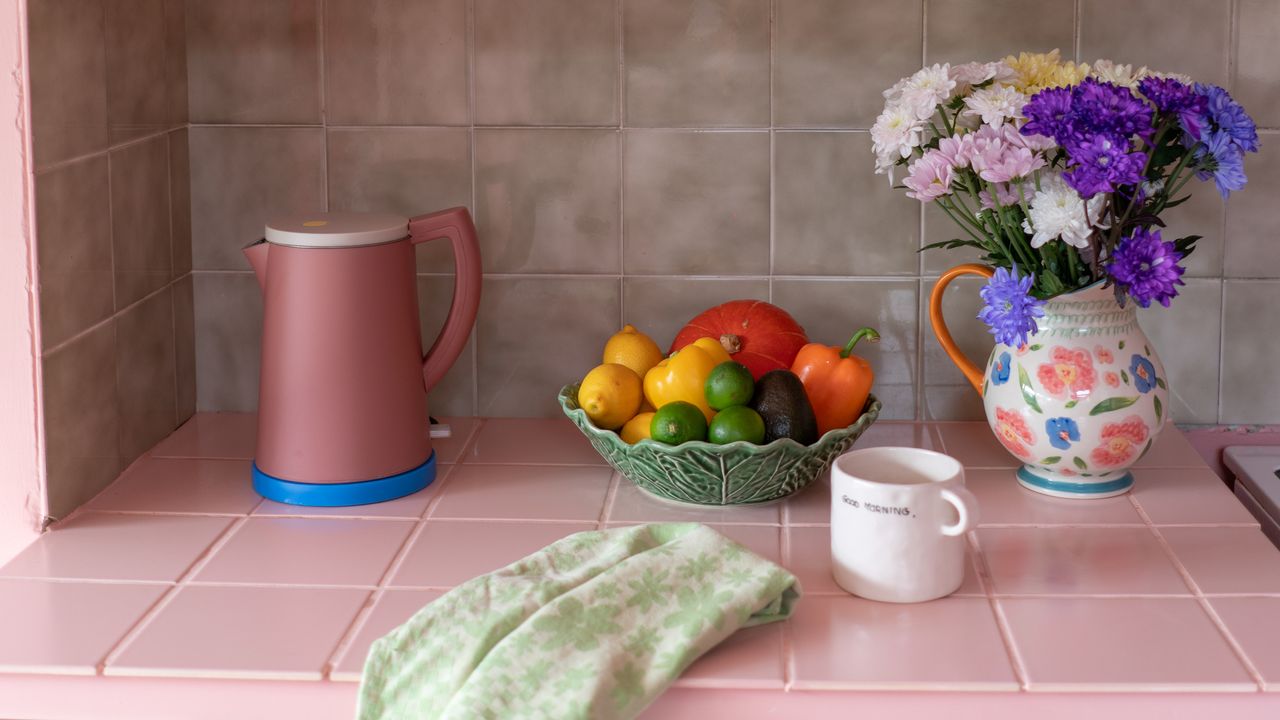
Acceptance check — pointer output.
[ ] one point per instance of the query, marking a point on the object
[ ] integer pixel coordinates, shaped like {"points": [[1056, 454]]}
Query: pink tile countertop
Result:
{"points": [[178, 592]]}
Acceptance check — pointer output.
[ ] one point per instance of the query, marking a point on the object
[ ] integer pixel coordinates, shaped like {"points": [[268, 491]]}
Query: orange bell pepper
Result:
{"points": [[836, 382]]}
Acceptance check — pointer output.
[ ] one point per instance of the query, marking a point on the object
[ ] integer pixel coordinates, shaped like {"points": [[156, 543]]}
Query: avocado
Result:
{"points": [[782, 403]]}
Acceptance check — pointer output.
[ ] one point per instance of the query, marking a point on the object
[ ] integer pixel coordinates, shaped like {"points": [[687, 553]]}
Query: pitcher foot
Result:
{"points": [[1073, 486]]}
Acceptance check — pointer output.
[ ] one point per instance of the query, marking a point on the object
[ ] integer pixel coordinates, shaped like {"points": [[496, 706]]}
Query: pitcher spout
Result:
{"points": [[257, 255]]}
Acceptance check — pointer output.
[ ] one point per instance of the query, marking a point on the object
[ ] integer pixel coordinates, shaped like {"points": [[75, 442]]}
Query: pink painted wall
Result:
{"points": [[21, 494]]}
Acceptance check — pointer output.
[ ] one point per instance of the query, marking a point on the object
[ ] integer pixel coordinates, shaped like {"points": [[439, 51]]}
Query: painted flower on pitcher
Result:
{"points": [[1068, 373], [1120, 442], [1062, 431], [1104, 355], [1144, 373], [1000, 369], [1013, 433], [1111, 379]]}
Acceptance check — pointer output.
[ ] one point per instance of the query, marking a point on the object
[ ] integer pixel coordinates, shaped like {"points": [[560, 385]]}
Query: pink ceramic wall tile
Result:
{"points": [[532, 441], [247, 632], [750, 658], [1227, 560], [1078, 561], [545, 492], [811, 506], [1252, 621], [449, 449], [1186, 495], [450, 552], [1136, 644], [212, 435], [947, 644], [809, 558], [631, 504], [408, 507], [66, 627], [1002, 501], [392, 609], [115, 546], [307, 551], [1171, 449], [974, 446], [181, 485]]}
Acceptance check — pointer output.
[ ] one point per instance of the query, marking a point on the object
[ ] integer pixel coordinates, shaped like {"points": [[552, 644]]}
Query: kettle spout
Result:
{"points": [[257, 254]]}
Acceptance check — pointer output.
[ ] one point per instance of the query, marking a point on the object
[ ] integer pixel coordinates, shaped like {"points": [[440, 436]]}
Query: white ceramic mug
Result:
{"points": [[898, 519]]}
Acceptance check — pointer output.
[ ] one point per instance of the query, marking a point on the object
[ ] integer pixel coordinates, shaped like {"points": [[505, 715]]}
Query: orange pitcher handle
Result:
{"points": [[455, 224], [972, 372]]}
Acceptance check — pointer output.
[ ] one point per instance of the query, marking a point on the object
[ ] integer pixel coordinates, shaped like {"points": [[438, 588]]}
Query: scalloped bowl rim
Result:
{"points": [[609, 435]]}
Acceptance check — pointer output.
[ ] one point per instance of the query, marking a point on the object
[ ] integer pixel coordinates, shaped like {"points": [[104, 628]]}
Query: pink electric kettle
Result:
{"points": [[342, 399]]}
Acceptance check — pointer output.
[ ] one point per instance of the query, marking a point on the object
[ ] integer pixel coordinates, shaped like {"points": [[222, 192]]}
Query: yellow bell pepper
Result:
{"points": [[683, 375]]}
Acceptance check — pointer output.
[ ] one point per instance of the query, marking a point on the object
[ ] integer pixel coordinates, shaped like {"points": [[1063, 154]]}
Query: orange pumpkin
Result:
{"points": [[761, 336]]}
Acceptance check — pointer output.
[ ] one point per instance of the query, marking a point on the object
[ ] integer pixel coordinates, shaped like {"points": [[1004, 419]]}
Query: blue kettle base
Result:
{"points": [[361, 492]]}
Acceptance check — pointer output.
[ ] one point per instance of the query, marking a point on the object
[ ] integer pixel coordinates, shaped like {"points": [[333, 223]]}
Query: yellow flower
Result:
{"points": [[1034, 72]]}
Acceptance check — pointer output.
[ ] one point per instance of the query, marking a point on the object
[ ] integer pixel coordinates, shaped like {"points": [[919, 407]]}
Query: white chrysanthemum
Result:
{"points": [[1057, 211], [928, 88], [1124, 75], [996, 104], [894, 94], [1184, 79], [895, 134], [976, 73]]}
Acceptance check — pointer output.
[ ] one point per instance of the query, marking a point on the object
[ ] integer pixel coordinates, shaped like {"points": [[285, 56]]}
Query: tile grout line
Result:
{"points": [[321, 91], [114, 314], [469, 41], [773, 144], [606, 511], [165, 600], [59, 165], [338, 654], [1205, 606], [620, 29], [987, 583], [788, 642]]}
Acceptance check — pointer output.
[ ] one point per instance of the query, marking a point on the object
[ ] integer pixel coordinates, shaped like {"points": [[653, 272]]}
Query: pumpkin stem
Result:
{"points": [[731, 343], [869, 333]]}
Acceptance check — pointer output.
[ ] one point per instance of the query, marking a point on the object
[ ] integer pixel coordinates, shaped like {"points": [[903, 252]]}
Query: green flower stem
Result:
{"points": [[952, 214]]}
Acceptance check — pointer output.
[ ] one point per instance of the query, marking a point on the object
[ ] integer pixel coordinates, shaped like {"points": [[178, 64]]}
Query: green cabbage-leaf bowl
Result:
{"points": [[703, 473]]}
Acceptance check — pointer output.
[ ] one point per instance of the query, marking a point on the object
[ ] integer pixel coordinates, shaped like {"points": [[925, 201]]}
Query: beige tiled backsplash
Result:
{"points": [[625, 160], [113, 226]]}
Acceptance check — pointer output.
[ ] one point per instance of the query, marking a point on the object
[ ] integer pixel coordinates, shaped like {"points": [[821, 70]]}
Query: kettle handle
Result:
{"points": [[972, 372], [455, 224]]}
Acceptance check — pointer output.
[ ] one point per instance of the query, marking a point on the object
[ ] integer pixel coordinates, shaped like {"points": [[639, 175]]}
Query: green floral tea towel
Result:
{"points": [[593, 626]]}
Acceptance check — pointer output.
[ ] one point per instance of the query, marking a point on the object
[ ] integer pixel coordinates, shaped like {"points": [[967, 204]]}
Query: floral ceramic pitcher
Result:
{"points": [[1080, 402]]}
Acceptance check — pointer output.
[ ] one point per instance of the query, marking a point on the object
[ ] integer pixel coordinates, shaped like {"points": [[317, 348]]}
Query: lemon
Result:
{"points": [[632, 348], [637, 428], [610, 395]]}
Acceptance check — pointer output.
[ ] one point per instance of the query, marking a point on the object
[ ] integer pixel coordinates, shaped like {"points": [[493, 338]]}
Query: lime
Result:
{"points": [[736, 423], [678, 422], [729, 384]]}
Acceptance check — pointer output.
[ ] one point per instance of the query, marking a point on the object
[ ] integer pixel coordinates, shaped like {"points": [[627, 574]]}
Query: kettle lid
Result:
{"points": [[337, 229]]}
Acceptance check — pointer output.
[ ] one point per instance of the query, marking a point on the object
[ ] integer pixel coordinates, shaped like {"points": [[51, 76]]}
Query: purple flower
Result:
{"points": [[1173, 97], [1048, 113], [1146, 267], [1008, 307], [1102, 165], [1221, 158], [1105, 108], [1227, 115]]}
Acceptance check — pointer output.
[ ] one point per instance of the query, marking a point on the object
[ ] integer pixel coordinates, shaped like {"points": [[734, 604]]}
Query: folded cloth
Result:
{"points": [[595, 625]]}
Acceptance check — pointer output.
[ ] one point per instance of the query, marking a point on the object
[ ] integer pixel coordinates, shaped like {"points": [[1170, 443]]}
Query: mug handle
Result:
{"points": [[966, 505], [972, 372]]}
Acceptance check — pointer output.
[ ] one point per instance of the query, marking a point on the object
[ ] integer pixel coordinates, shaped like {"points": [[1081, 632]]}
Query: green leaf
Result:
{"points": [[1113, 404], [1079, 463], [1121, 344], [1051, 460], [1037, 346], [1028, 393], [986, 384], [1160, 381], [951, 245], [1071, 403], [1159, 410], [1124, 376], [1146, 349], [1145, 449]]}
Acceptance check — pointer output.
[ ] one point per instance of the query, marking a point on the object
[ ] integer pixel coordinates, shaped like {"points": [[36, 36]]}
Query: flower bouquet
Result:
{"points": [[1058, 173]]}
